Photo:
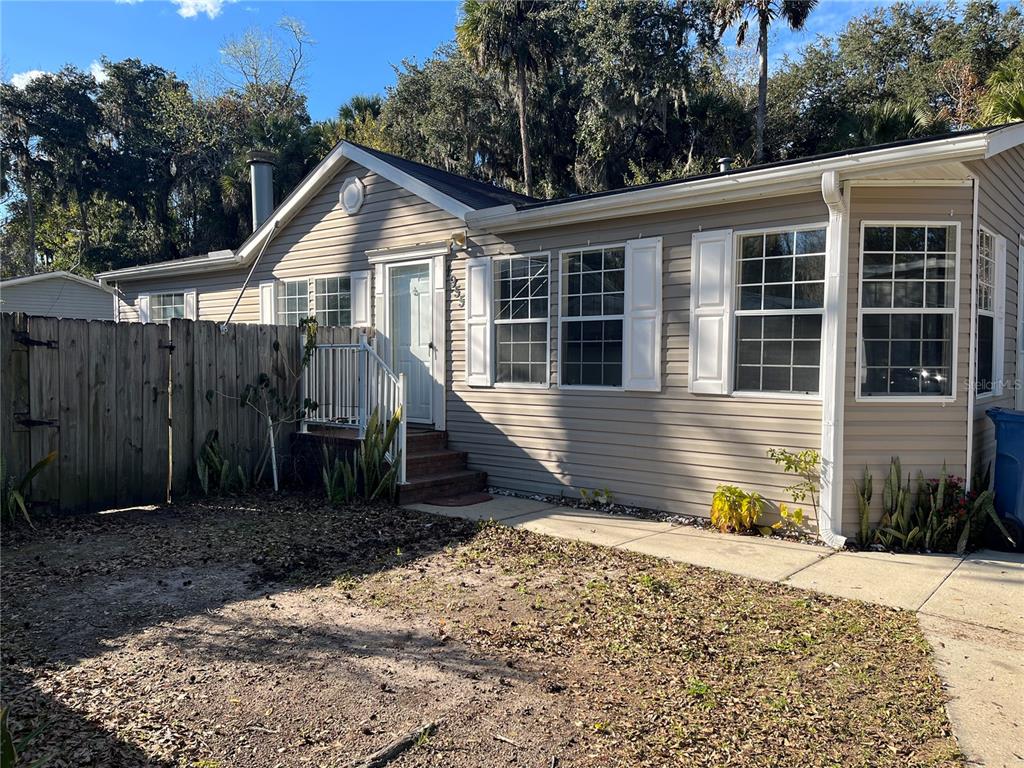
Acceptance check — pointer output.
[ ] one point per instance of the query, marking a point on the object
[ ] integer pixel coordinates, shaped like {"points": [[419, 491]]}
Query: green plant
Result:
{"points": [[379, 475], [733, 509], [340, 478], [10, 748], [898, 518], [981, 510], [790, 519], [864, 493], [806, 465], [216, 473], [599, 497], [15, 492]]}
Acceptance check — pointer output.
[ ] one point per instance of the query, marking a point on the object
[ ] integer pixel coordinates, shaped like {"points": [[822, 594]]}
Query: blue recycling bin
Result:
{"points": [[1009, 469]]}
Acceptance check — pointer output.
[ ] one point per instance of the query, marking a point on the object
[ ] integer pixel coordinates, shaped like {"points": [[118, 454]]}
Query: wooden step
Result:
{"points": [[441, 484], [434, 462]]}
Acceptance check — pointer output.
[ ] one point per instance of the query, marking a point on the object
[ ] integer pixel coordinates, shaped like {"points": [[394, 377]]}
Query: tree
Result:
{"points": [[1003, 101], [512, 36], [793, 12]]}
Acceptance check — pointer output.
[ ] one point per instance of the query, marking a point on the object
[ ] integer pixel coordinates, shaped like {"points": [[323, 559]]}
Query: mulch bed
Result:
{"points": [[277, 631]]}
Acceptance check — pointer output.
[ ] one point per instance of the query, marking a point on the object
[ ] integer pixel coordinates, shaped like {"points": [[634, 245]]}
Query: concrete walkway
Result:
{"points": [[970, 609]]}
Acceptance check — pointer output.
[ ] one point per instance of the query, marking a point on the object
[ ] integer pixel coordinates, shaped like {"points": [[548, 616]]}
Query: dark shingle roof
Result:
{"points": [[475, 194], [748, 169]]}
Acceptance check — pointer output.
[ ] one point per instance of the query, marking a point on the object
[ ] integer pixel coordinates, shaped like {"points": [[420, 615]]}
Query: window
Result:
{"points": [[986, 303], [908, 310], [332, 299], [521, 319], [165, 306], [592, 303], [780, 304], [292, 302]]}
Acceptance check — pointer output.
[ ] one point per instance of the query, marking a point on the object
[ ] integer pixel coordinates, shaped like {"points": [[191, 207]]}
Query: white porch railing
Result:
{"points": [[348, 382]]}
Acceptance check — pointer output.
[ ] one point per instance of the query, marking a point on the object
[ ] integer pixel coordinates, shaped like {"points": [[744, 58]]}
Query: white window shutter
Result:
{"points": [[144, 308], [478, 322], [361, 299], [268, 302], [642, 331], [999, 337], [190, 305], [710, 312]]}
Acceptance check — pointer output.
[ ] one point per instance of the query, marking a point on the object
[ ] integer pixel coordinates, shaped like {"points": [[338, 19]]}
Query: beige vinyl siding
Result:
{"points": [[666, 450], [924, 435], [321, 240], [58, 297], [1001, 212]]}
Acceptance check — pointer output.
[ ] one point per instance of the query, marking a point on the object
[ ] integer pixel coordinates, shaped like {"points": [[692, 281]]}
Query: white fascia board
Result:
{"points": [[751, 185], [210, 262], [404, 180], [1005, 138], [59, 275]]}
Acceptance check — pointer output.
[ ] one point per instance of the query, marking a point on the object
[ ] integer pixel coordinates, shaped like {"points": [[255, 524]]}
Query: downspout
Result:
{"points": [[248, 277], [972, 362], [833, 375]]}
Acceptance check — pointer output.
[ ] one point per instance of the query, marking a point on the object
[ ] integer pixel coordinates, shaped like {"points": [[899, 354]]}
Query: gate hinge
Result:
{"points": [[168, 345], [24, 339]]}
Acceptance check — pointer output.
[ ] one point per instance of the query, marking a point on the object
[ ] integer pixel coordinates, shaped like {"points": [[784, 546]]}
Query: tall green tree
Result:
{"points": [[1003, 100], [793, 12], [514, 37]]}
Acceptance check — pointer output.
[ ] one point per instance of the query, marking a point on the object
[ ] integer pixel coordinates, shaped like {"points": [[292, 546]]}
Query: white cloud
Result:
{"points": [[21, 79], [127, 2], [189, 9], [98, 72]]}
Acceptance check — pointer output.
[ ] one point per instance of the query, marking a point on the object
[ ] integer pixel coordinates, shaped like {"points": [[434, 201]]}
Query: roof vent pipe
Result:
{"points": [[261, 178], [724, 164]]}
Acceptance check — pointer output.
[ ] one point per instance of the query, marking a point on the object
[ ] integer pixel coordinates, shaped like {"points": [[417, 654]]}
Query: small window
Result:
{"points": [[292, 302], [780, 300], [332, 299], [163, 307], [592, 305], [908, 310], [986, 303], [521, 319]]}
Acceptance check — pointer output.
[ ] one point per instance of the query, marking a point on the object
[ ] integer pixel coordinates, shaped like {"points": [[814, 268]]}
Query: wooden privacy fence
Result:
{"points": [[127, 406]]}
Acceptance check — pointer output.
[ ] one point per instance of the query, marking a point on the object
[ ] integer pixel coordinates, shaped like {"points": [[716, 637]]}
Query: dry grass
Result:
{"points": [[280, 632]]}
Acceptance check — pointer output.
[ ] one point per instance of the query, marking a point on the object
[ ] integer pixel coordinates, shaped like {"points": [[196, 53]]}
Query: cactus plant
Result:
{"points": [[864, 493]]}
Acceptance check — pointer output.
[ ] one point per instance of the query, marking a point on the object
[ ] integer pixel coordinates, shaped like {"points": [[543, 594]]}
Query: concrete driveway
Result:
{"points": [[971, 609]]}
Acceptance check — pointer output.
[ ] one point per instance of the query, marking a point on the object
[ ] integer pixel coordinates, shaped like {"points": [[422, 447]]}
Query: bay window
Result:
{"points": [[780, 299], [907, 310], [521, 319]]}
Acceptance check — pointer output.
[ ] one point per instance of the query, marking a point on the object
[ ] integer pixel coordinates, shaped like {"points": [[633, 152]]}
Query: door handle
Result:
{"points": [[431, 347]]}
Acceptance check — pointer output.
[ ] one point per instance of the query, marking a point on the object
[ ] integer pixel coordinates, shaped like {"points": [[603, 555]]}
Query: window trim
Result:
{"points": [[994, 392], [148, 295], [495, 322], [954, 310], [590, 387], [749, 394], [312, 294]]}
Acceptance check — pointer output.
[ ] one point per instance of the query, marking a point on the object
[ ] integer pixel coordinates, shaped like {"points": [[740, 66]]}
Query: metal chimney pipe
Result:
{"points": [[261, 178], [724, 164]]}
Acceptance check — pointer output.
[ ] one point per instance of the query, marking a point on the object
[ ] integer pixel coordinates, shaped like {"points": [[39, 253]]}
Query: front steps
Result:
{"points": [[433, 470]]}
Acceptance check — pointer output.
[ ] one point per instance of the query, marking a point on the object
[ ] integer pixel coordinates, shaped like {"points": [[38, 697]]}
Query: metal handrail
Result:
{"points": [[349, 382]]}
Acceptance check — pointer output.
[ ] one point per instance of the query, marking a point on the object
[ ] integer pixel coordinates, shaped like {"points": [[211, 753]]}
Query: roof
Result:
{"points": [[60, 274], [770, 179], [488, 208], [754, 168], [475, 194]]}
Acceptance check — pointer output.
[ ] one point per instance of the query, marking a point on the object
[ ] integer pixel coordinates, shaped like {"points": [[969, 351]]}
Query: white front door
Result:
{"points": [[412, 347]]}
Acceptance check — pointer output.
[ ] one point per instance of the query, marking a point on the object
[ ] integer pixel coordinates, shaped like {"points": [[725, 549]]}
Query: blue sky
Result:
{"points": [[357, 42]]}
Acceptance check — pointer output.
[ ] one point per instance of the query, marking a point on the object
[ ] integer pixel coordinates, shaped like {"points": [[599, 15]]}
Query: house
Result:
{"points": [[657, 340], [58, 294]]}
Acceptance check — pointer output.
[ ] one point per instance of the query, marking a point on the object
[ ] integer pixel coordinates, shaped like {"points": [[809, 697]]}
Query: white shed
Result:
{"points": [[57, 294]]}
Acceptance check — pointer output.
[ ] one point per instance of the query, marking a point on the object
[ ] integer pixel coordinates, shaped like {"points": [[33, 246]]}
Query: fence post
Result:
{"points": [[401, 428]]}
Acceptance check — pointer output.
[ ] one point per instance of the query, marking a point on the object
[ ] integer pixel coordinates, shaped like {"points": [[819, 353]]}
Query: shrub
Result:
{"points": [[216, 473], [369, 473], [14, 496], [733, 509]]}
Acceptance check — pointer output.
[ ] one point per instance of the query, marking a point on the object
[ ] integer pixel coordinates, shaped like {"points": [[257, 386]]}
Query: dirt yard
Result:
{"points": [[279, 632]]}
